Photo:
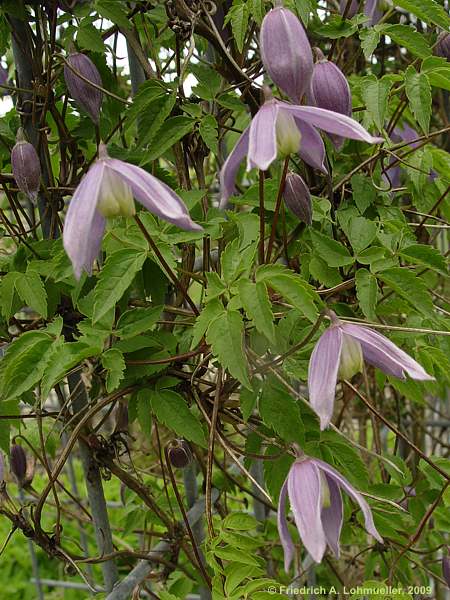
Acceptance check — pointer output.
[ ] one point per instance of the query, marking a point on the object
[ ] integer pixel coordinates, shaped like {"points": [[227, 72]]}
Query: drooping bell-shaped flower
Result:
{"points": [[267, 137], [329, 89], [314, 491], [297, 198], [26, 167], [442, 47], [107, 190], [86, 95], [371, 10], [337, 354], [286, 52], [352, 10]]}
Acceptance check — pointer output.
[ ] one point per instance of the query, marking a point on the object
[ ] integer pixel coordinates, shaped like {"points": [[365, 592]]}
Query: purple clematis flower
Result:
{"points": [[340, 352], [107, 190], [282, 128], [371, 10], [314, 491]]}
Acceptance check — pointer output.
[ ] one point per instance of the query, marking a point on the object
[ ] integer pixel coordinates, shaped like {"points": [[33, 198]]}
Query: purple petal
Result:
{"points": [[372, 11], [262, 144], [332, 122], [305, 496], [347, 487], [283, 530], [84, 226], [230, 168], [312, 149], [155, 195], [323, 372], [384, 354], [332, 516]]}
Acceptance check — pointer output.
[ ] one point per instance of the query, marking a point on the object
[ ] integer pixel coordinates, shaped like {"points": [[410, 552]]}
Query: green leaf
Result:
{"points": [[375, 93], [116, 276], [238, 15], [427, 10], [236, 260], [65, 358], [406, 36], [292, 287], [428, 256], [114, 363], [144, 411], [209, 133], [137, 320], [172, 130], [280, 412], [240, 522], [89, 37], [113, 12], [336, 27], [226, 338], [370, 38], [24, 363], [410, 287], [215, 286], [364, 193], [236, 555], [150, 92], [211, 310], [418, 91], [367, 292], [332, 252], [255, 300], [31, 290], [7, 291], [154, 118], [171, 409], [437, 70], [361, 232], [346, 458]]}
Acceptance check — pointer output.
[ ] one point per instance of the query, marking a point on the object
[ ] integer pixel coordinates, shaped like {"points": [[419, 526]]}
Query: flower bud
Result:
{"points": [[351, 357], [297, 198], [286, 52], [446, 566], [18, 463], [3, 80], [87, 96], [442, 47], [179, 453], [354, 6], [288, 134], [25, 166], [115, 198], [329, 89]]}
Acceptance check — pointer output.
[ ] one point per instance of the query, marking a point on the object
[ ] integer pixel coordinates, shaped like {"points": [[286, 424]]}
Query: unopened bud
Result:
{"points": [[330, 90], [18, 463], [442, 47], [179, 453], [286, 52], [288, 134], [86, 95], [297, 197], [351, 358], [354, 6], [26, 167], [446, 566]]}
